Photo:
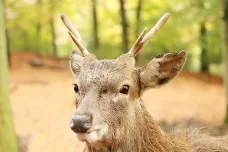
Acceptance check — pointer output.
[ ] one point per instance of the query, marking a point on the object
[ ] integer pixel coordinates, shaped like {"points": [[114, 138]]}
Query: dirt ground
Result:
{"points": [[42, 102]]}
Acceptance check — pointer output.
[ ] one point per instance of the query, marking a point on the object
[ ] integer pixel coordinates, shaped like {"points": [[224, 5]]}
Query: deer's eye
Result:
{"points": [[124, 89], [76, 89]]}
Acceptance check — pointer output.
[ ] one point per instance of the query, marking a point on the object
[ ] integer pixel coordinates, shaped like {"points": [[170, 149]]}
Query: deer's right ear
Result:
{"points": [[75, 62], [160, 70]]}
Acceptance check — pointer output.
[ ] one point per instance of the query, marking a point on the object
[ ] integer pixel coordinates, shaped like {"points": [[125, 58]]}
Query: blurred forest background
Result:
{"points": [[35, 26], [35, 47]]}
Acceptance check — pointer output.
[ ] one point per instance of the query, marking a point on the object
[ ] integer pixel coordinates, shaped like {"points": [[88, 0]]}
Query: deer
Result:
{"points": [[110, 115]]}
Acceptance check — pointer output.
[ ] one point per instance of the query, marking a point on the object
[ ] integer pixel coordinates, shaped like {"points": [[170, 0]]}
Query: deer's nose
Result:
{"points": [[81, 123]]}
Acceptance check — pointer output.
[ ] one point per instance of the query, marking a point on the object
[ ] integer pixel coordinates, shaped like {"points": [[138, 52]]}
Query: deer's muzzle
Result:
{"points": [[81, 123]]}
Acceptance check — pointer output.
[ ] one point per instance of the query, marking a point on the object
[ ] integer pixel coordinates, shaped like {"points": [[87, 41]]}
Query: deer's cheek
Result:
{"points": [[119, 97]]}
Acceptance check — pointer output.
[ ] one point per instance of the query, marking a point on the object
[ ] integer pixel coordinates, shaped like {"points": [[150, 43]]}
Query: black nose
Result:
{"points": [[81, 123]]}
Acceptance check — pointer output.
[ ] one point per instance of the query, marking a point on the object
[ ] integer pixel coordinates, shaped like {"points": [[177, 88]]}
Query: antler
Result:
{"points": [[74, 34], [144, 38]]}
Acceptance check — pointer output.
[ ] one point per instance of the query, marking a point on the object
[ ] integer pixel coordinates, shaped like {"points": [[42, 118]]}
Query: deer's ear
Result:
{"points": [[162, 69], [75, 62]]}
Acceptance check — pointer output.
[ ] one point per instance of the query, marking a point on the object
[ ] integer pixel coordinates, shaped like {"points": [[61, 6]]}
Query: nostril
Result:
{"points": [[81, 123]]}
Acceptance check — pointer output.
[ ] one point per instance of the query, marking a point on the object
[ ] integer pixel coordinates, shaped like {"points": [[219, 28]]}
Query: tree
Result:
{"points": [[7, 36], [138, 20], [95, 25], [203, 44], [138, 17], [7, 135], [52, 25], [203, 40], [225, 41], [39, 27], [124, 26]]}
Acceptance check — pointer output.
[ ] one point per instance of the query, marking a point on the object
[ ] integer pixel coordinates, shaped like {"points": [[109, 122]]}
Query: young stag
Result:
{"points": [[109, 115]]}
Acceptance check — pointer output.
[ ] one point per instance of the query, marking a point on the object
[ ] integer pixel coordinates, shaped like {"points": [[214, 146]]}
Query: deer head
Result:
{"points": [[108, 91]]}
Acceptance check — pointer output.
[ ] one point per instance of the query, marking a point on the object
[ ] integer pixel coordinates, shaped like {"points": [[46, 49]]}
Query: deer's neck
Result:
{"points": [[147, 136], [144, 136]]}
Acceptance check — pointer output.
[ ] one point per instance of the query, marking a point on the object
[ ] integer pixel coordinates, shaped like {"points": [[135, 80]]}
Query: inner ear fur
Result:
{"points": [[75, 62], [78, 62], [161, 69]]}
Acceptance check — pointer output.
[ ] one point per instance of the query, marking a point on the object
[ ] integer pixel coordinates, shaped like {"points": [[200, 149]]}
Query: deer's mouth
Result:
{"points": [[92, 135]]}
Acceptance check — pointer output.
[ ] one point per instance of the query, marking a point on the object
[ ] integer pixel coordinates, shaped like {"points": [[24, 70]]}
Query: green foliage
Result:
{"points": [[29, 27]]}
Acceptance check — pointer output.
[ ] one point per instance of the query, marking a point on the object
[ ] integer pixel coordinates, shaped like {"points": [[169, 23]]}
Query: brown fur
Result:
{"points": [[130, 127], [144, 136]]}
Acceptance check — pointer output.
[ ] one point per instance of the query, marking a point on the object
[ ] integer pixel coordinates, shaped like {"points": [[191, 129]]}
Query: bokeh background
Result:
{"points": [[37, 97]]}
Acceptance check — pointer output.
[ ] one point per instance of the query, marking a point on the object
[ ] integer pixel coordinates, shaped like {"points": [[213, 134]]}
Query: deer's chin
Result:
{"points": [[92, 136]]}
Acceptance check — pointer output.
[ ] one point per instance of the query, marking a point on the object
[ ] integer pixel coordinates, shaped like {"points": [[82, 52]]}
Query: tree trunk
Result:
{"points": [[225, 50], [54, 46], [8, 141], [7, 36], [124, 26], [95, 25], [52, 25], [138, 20], [8, 46], [138, 17], [203, 43], [38, 29]]}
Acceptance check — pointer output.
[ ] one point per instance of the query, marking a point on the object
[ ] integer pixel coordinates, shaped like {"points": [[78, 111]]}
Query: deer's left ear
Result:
{"points": [[75, 63], [161, 70]]}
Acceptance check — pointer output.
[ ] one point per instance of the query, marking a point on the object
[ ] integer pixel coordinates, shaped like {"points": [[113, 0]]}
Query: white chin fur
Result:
{"points": [[92, 136]]}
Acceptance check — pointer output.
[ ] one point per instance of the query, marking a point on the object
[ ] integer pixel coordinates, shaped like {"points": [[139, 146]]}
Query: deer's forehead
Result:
{"points": [[104, 72], [105, 66]]}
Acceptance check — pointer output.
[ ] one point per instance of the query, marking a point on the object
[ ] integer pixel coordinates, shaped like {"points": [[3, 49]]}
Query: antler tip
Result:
{"points": [[63, 16], [145, 29], [167, 14]]}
